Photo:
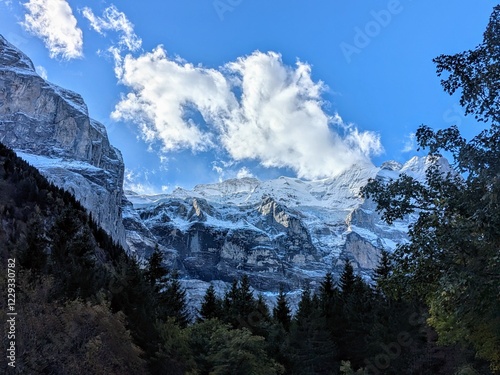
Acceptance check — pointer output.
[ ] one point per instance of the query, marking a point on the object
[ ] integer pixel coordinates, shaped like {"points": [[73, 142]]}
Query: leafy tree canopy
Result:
{"points": [[453, 259]]}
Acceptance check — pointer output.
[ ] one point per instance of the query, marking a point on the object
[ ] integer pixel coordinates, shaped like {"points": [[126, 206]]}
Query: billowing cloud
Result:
{"points": [[255, 108], [244, 172], [53, 21], [162, 90], [114, 20], [280, 121]]}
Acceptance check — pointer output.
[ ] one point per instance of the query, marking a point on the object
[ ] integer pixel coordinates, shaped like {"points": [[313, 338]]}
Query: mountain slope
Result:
{"points": [[50, 128], [285, 230]]}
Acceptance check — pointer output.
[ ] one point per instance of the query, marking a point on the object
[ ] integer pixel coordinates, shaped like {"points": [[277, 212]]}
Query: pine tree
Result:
{"points": [[230, 304], [262, 308], [156, 273], [246, 303], [211, 306], [310, 348], [306, 306], [382, 272], [327, 288], [347, 278], [260, 320], [281, 312], [173, 303]]}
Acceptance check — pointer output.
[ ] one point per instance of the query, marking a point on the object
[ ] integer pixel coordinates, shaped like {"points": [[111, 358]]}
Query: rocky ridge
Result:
{"points": [[50, 128], [283, 231]]}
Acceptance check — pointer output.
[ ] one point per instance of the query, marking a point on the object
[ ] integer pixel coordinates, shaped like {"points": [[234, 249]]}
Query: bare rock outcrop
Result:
{"points": [[50, 127]]}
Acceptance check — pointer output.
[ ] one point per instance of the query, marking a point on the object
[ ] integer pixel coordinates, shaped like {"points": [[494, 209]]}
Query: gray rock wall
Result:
{"points": [[38, 118]]}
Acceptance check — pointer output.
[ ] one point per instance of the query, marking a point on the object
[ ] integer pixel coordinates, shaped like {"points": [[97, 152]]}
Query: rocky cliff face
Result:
{"points": [[283, 231], [50, 128]]}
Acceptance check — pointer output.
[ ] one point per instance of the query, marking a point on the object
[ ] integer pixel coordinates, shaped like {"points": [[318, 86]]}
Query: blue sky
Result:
{"points": [[196, 91]]}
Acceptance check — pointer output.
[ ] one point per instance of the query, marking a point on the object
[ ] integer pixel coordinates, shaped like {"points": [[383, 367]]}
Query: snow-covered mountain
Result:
{"points": [[285, 230], [50, 128]]}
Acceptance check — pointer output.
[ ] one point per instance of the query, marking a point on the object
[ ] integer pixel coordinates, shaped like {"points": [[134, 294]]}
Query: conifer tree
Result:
{"points": [[239, 304], [327, 287], [281, 312], [260, 320], [262, 308], [156, 273], [347, 278], [306, 306], [211, 306], [382, 272], [245, 297], [34, 256], [230, 304], [173, 302], [310, 348]]}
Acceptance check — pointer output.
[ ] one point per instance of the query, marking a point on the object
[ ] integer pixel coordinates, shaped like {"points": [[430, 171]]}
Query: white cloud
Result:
{"points": [[131, 182], [281, 122], [114, 20], [54, 23], [244, 172], [254, 108], [410, 143], [221, 173], [368, 143], [217, 169], [162, 89], [42, 72]]}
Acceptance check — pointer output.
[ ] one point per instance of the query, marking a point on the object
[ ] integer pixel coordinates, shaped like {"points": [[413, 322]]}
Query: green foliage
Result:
{"points": [[103, 307], [475, 72], [346, 369], [174, 355], [310, 348], [347, 279], [173, 303], [452, 260], [382, 273], [156, 273], [239, 304], [306, 305], [222, 350]]}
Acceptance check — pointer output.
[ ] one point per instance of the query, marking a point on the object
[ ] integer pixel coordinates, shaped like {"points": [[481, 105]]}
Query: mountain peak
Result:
{"points": [[391, 165], [49, 127], [12, 57], [228, 187]]}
